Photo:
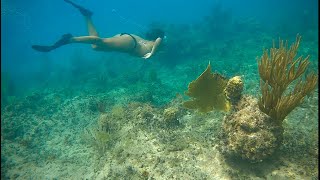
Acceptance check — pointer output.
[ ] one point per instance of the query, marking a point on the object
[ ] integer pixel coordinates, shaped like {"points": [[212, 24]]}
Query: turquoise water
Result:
{"points": [[75, 113]]}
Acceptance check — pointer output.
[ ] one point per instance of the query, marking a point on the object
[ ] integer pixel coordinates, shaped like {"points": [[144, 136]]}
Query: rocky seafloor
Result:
{"points": [[50, 136]]}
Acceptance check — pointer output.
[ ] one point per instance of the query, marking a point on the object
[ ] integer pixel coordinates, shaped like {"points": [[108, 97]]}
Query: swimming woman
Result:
{"points": [[124, 42]]}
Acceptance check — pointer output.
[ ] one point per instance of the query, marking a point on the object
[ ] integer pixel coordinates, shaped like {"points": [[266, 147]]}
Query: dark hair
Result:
{"points": [[153, 34]]}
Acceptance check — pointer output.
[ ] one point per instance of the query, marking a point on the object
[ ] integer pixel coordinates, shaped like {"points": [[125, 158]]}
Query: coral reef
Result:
{"points": [[249, 133], [278, 69], [234, 89], [207, 92], [254, 130], [213, 91]]}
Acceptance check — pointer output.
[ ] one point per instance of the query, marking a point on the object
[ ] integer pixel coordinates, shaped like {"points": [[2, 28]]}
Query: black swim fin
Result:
{"points": [[82, 10], [42, 48], [65, 39]]}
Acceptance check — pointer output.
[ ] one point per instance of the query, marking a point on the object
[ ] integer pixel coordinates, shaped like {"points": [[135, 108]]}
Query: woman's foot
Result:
{"points": [[82, 10], [65, 39]]}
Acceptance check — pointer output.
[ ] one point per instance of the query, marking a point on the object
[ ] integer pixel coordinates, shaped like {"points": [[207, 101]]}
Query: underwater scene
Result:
{"points": [[170, 89]]}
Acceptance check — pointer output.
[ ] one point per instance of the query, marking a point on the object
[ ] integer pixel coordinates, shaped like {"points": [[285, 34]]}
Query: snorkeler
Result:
{"points": [[124, 42]]}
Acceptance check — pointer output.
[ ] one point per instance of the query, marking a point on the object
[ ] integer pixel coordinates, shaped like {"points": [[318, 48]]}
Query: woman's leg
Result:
{"points": [[91, 29], [93, 39], [68, 39]]}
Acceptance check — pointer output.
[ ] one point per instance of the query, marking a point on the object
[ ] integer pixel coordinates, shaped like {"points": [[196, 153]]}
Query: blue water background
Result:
{"points": [[24, 23]]}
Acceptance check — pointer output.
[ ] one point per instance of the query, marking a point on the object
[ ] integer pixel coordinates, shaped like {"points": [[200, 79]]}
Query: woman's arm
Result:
{"points": [[154, 48]]}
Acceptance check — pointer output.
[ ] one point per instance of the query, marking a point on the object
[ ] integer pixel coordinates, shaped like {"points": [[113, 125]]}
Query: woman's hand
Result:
{"points": [[146, 56]]}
